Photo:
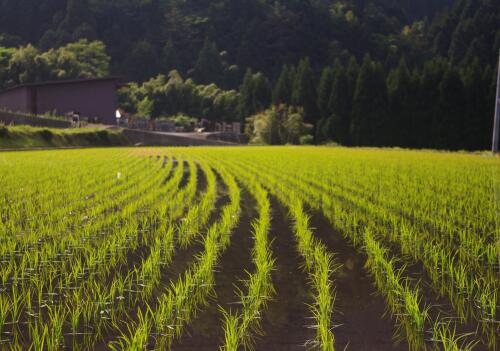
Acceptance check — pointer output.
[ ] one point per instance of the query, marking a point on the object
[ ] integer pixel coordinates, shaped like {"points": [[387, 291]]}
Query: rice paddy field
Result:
{"points": [[252, 248]]}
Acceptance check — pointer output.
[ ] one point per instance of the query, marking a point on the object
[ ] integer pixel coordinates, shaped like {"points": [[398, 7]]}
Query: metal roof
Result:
{"points": [[60, 82]]}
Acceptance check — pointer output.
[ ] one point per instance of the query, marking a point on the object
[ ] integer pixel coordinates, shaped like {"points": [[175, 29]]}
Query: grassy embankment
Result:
{"points": [[20, 137]]}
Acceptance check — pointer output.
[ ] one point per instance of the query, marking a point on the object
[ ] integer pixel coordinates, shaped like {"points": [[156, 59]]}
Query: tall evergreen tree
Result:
{"points": [[282, 92], [427, 110], [448, 125], [325, 91], [340, 105], [399, 86], [304, 91], [477, 119], [245, 103], [209, 67], [369, 113], [261, 92], [169, 57], [352, 74]]}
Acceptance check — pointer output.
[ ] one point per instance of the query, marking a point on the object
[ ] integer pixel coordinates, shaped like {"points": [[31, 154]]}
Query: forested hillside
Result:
{"points": [[363, 71]]}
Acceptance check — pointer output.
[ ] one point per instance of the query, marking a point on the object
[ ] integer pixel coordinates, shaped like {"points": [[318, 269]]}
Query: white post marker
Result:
{"points": [[118, 115]]}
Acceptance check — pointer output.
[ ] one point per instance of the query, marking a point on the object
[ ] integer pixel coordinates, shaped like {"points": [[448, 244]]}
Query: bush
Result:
{"points": [[4, 131], [306, 140], [279, 125], [103, 135], [46, 134]]}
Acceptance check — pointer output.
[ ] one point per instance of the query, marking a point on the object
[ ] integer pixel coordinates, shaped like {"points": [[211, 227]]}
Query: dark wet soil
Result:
{"points": [[206, 331], [359, 315], [201, 185], [185, 175], [286, 320]]}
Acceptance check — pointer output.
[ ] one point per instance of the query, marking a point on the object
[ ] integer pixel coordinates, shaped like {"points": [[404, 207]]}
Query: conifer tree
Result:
{"points": [[304, 91], [261, 92], [282, 92], [369, 114], [340, 105], [399, 91], [209, 67], [450, 120], [325, 91], [169, 57], [245, 103]]}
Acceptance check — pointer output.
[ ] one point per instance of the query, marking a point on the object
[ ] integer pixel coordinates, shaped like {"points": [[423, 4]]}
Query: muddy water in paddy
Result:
{"points": [[286, 320], [206, 331], [359, 314], [185, 175]]}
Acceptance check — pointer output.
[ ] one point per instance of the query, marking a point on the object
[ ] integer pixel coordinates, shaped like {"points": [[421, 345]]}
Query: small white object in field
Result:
{"points": [[119, 175]]}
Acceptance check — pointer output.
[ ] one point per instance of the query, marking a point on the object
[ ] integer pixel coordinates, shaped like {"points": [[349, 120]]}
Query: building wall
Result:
{"points": [[91, 99], [16, 100], [11, 118]]}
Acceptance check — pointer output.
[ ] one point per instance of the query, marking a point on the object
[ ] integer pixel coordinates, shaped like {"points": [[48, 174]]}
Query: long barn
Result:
{"points": [[92, 98]]}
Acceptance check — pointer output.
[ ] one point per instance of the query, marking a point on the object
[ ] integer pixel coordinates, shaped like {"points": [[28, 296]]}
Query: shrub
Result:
{"points": [[279, 125], [4, 131], [46, 134], [103, 135], [306, 140]]}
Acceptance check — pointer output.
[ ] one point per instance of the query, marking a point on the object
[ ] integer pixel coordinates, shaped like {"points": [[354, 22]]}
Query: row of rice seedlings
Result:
{"points": [[36, 181], [464, 236], [241, 328], [41, 288], [41, 220], [147, 278], [104, 302], [164, 246], [179, 304], [48, 256], [410, 322], [473, 297], [138, 284], [28, 277], [320, 265], [318, 262], [199, 214], [62, 242]]}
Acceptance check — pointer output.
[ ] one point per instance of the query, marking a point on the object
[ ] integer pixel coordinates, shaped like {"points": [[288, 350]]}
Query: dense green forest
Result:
{"points": [[381, 72]]}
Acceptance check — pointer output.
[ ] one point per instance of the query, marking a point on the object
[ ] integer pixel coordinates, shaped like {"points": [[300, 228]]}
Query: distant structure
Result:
{"points": [[94, 99]]}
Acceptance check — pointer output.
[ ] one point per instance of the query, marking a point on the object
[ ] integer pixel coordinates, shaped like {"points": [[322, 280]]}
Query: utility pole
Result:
{"points": [[496, 124]]}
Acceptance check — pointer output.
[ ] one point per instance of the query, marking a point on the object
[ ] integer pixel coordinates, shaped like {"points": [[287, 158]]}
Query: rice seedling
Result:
{"points": [[87, 237]]}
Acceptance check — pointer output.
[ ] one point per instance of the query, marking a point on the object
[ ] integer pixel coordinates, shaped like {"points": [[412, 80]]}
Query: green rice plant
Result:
{"points": [[56, 318], [137, 337], [5, 310], [39, 335], [445, 334]]}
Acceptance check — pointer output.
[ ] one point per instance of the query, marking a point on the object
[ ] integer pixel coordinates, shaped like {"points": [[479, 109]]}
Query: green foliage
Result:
{"points": [[4, 131], [81, 59], [369, 112], [208, 68], [304, 91], [149, 39], [401, 105], [172, 95], [325, 89], [46, 134], [279, 125], [255, 94], [282, 92]]}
